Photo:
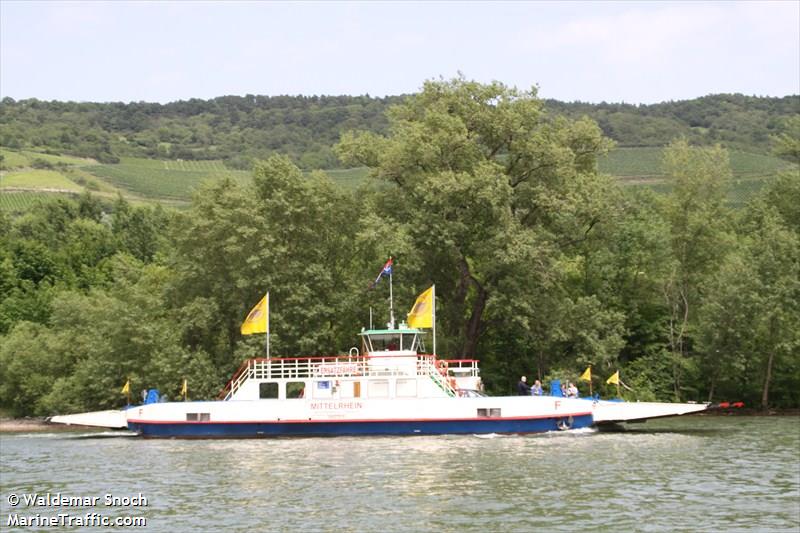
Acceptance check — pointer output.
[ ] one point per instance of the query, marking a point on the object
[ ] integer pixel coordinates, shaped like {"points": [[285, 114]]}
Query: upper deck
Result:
{"points": [[388, 365], [433, 377]]}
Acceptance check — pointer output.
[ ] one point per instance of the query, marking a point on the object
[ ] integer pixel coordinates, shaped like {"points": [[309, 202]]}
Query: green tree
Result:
{"points": [[751, 317], [97, 340], [698, 222], [29, 364], [485, 182], [298, 237], [787, 143], [140, 231]]}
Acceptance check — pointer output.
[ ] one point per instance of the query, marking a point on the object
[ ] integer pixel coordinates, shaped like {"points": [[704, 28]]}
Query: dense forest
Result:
{"points": [[237, 129], [542, 264], [243, 129], [734, 121]]}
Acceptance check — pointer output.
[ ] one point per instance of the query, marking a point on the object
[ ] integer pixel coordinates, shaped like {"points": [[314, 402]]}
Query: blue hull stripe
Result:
{"points": [[361, 427]]}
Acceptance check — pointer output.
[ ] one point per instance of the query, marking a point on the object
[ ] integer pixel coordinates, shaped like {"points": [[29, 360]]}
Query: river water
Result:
{"points": [[701, 473]]}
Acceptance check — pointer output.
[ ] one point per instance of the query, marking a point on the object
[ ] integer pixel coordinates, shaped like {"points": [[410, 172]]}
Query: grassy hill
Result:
{"points": [[162, 153], [158, 180], [642, 167], [140, 180], [172, 182]]}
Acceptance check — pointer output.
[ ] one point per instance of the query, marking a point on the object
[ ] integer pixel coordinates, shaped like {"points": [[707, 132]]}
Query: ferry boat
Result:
{"points": [[389, 387]]}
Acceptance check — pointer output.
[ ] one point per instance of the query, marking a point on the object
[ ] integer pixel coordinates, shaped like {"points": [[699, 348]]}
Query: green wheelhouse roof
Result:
{"points": [[407, 331]]}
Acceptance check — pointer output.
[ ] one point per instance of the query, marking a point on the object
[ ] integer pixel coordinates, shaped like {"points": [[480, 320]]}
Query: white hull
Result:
{"points": [[407, 416], [605, 412], [113, 419], [361, 409]]}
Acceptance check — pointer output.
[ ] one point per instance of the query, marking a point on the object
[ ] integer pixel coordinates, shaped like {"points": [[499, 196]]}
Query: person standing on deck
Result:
{"points": [[536, 390], [523, 389], [572, 391]]}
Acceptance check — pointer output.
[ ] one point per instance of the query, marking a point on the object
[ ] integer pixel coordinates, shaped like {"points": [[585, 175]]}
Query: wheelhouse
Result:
{"points": [[402, 340]]}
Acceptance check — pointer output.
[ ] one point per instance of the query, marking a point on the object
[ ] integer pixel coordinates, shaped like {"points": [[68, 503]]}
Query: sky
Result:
{"points": [[634, 52]]}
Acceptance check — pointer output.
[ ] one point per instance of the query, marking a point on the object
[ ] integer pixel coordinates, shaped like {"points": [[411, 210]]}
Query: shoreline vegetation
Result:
{"points": [[40, 424]]}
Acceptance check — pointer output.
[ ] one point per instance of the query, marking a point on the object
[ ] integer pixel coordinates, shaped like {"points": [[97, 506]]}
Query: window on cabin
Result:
{"points": [[489, 413], [295, 389], [268, 391], [406, 388], [379, 389], [323, 389]]}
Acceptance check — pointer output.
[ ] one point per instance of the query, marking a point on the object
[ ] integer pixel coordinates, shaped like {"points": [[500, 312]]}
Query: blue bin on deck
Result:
{"points": [[152, 397]]}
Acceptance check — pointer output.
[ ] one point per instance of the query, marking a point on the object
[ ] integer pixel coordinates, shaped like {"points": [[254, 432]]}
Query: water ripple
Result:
{"points": [[686, 474]]}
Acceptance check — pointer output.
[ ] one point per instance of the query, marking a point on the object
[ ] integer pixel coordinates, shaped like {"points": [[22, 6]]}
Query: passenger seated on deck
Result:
{"points": [[523, 389], [572, 391], [536, 390]]}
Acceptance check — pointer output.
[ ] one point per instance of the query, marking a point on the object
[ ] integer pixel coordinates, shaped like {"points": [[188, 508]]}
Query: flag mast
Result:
{"points": [[434, 319], [252, 324], [423, 313], [391, 301], [266, 319], [587, 376], [386, 271]]}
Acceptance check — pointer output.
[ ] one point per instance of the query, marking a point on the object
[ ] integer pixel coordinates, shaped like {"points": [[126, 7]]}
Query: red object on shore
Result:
{"points": [[724, 405], [737, 404]]}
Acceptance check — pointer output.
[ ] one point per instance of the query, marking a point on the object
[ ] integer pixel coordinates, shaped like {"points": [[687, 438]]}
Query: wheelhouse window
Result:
{"points": [[381, 343], [409, 341], [393, 341]]}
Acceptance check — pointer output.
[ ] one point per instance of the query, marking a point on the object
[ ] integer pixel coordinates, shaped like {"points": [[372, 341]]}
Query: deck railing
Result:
{"points": [[343, 366]]}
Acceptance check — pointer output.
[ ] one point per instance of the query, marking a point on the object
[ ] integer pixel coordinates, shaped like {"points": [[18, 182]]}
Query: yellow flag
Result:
{"points": [[184, 389], [257, 320], [614, 379], [421, 315], [126, 389], [587, 374]]}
